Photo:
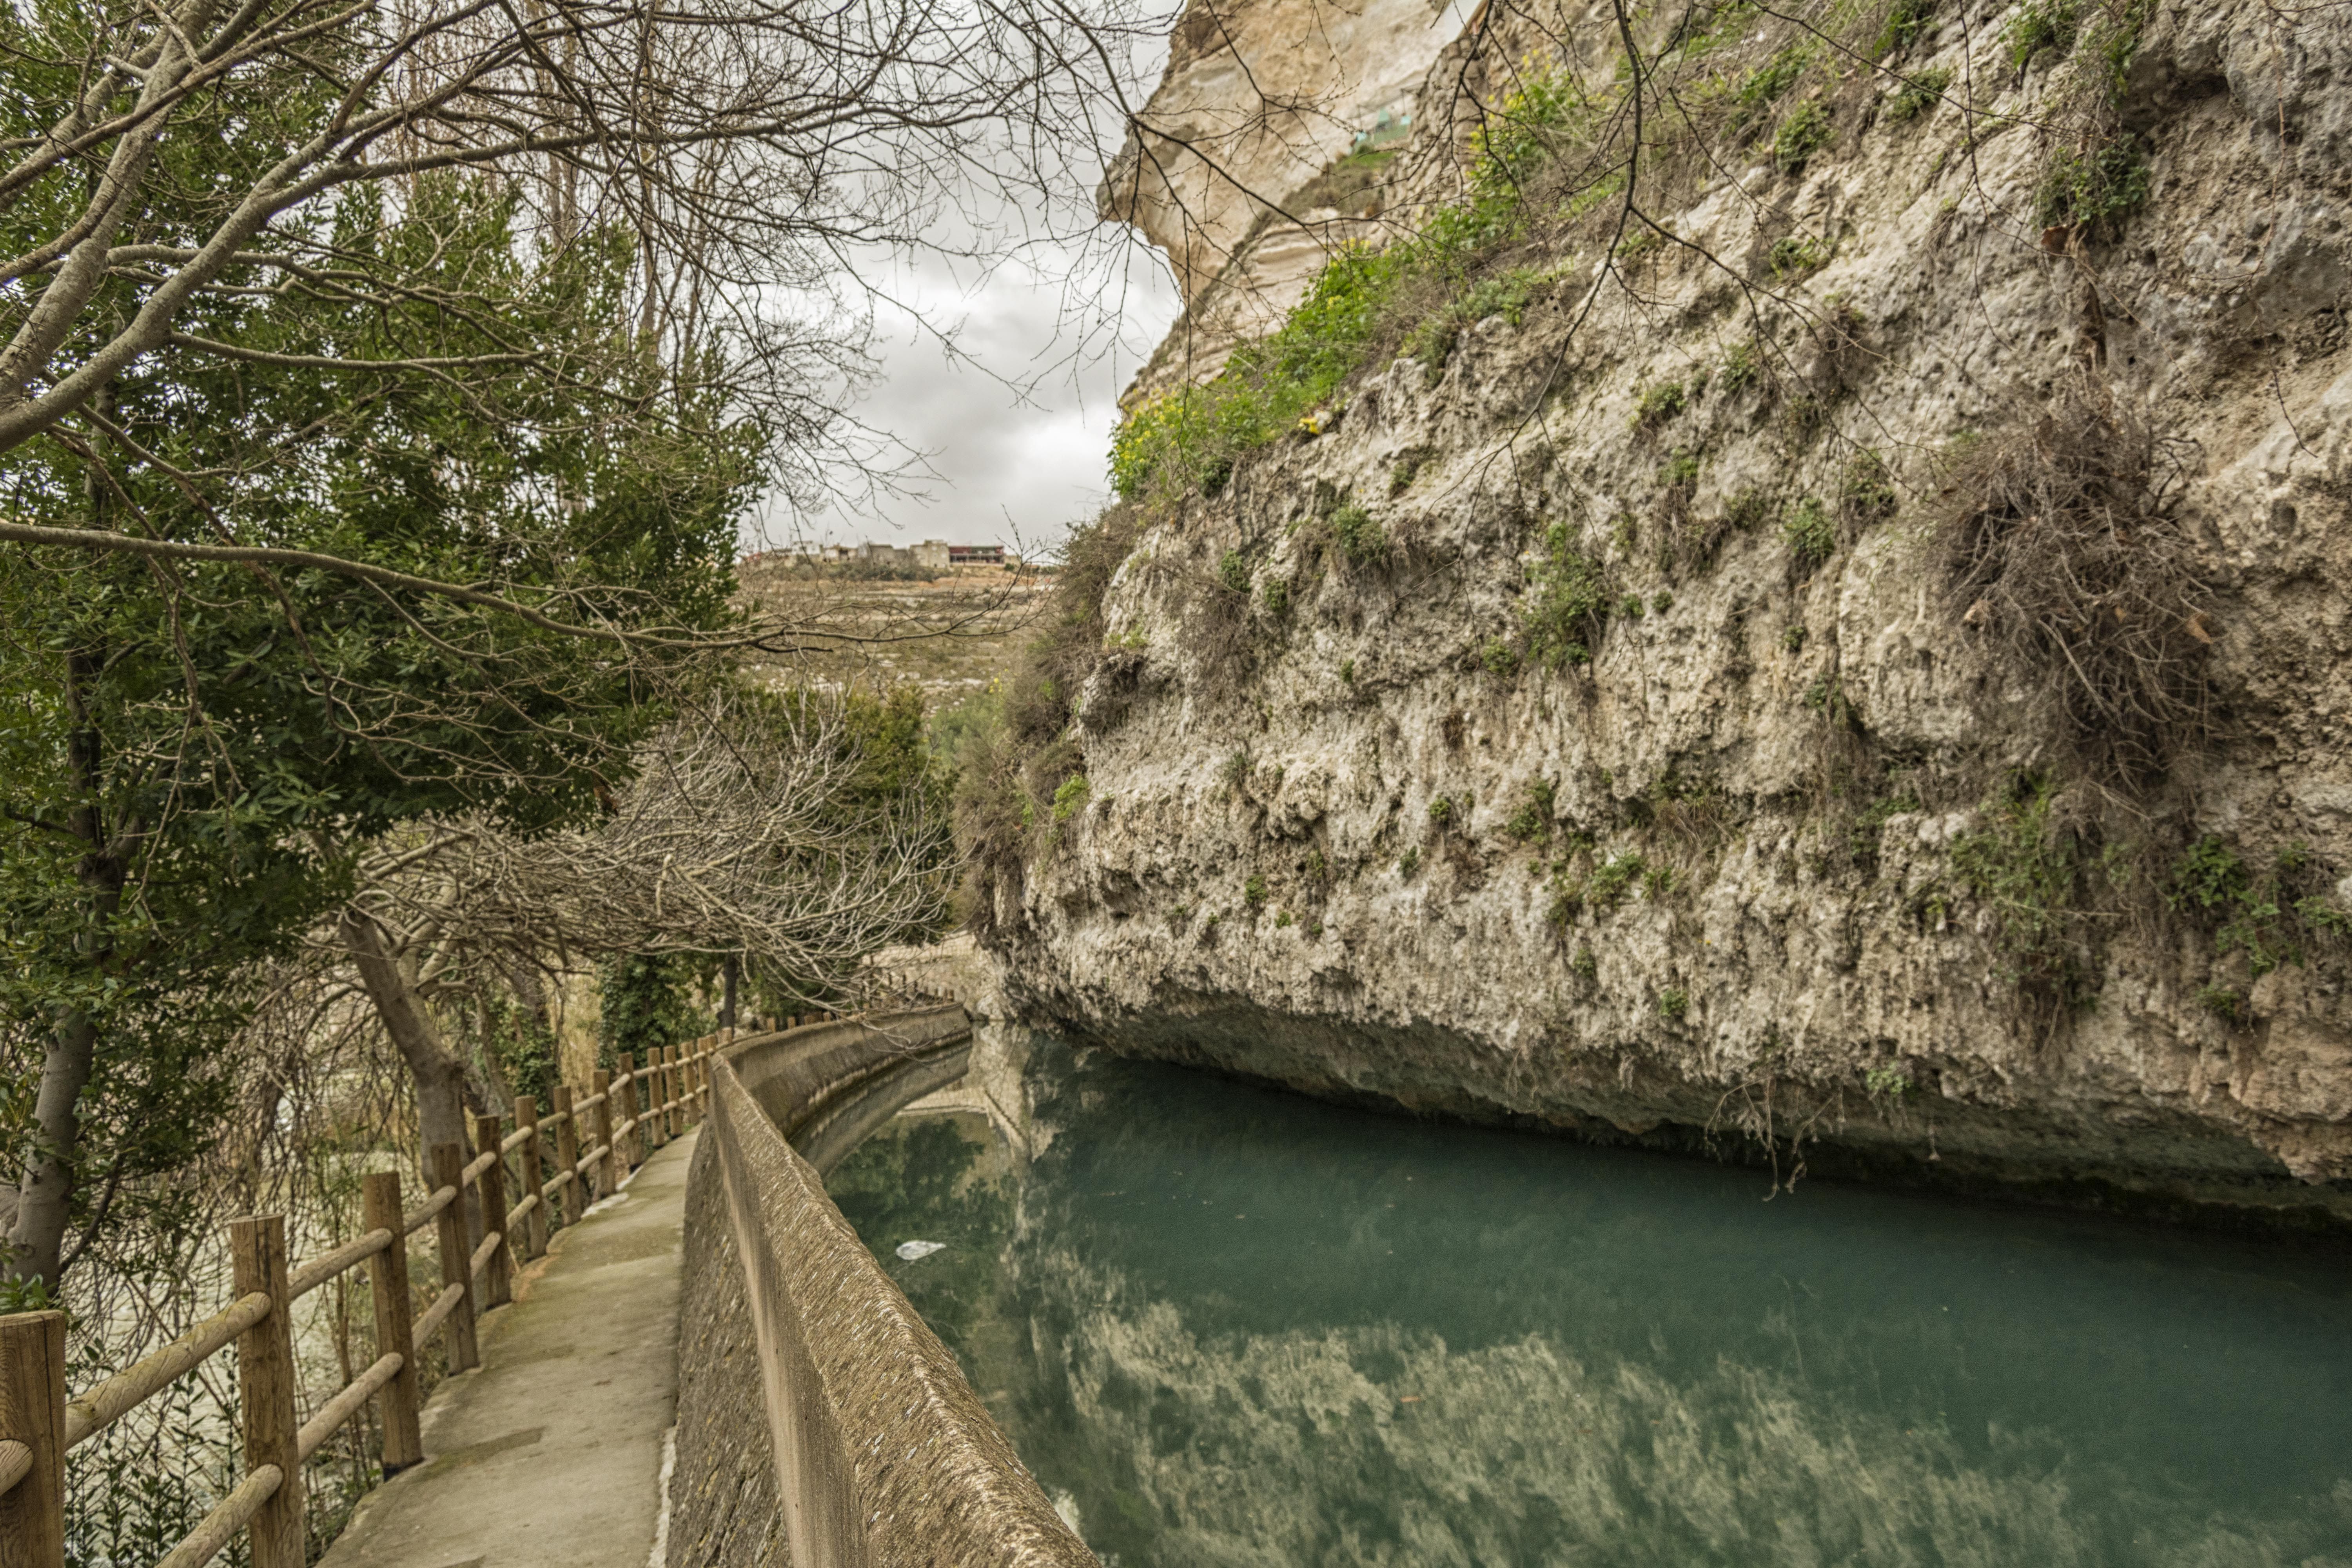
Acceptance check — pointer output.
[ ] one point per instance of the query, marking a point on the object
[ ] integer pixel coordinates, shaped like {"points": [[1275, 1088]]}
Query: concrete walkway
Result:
{"points": [[551, 1452]]}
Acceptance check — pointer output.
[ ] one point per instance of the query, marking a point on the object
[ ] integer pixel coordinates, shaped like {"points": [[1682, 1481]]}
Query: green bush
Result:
{"points": [[1661, 602], [2257, 913], [1811, 536], [1906, 20], [1359, 535], [2027, 869], [1768, 83], [1432, 342], [1867, 490], [1277, 598], [1609, 884], [1069, 798], [1532, 822], [1801, 134], [1918, 94], [1233, 571], [1568, 601], [1441, 810], [1499, 658], [1254, 891], [1656, 404], [1673, 1003], [1267, 386], [2094, 189], [1793, 255], [1352, 306], [2042, 24], [1747, 511], [1741, 366]]}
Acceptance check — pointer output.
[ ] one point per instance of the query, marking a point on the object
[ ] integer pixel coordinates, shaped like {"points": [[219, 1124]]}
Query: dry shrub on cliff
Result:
{"points": [[1009, 775], [2062, 558]]}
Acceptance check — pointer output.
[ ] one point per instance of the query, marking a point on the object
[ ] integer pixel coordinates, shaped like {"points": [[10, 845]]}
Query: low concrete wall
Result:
{"points": [[877, 1451], [722, 1490]]}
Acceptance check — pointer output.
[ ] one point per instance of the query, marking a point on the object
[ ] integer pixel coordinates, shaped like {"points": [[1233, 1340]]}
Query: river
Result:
{"points": [[1227, 1326]]}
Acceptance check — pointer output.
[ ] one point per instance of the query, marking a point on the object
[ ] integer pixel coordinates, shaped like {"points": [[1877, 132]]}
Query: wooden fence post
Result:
{"points": [[265, 1382], [33, 1412], [624, 1081], [498, 1280], [669, 1123], [643, 1139], [534, 1236], [645, 1094], [608, 1170], [394, 1323], [567, 1154], [657, 1063], [456, 1255]]}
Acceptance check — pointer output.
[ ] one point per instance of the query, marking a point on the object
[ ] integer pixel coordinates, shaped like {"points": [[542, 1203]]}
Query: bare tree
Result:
{"points": [[736, 838], [754, 154]]}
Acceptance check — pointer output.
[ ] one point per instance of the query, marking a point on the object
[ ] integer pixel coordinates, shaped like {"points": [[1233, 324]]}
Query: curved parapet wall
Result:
{"points": [[865, 1445]]}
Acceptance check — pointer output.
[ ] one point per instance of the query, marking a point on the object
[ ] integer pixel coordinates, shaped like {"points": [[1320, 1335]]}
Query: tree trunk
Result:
{"points": [[38, 1236], [44, 1203], [439, 1076]]}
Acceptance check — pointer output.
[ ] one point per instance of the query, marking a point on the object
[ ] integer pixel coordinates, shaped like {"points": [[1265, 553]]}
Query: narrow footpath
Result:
{"points": [[551, 1452]]}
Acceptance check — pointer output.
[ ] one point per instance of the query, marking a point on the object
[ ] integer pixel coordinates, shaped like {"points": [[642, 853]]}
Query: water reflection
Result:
{"points": [[1230, 1327]]}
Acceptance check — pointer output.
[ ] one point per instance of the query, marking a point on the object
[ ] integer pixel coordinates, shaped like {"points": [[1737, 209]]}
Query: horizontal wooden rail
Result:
{"points": [[220, 1526], [102, 1407], [346, 1405], [417, 1218], [32, 1445], [438, 1313], [320, 1269]]}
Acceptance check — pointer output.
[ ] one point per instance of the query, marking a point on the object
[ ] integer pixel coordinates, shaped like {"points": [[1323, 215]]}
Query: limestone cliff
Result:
{"points": [[1635, 714]]}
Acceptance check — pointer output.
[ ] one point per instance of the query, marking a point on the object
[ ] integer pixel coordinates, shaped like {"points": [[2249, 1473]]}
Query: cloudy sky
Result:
{"points": [[1014, 421]]}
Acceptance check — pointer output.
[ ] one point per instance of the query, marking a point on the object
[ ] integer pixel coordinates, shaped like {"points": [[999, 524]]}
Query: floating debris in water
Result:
{"points": [[913, 1250]]}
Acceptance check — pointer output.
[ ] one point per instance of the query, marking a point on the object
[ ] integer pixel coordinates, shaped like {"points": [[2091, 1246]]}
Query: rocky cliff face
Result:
{"points": [[1668, 715]]}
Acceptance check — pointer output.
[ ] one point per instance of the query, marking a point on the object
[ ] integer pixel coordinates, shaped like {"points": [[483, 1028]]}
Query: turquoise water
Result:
{"points": [[1226, 1326]]}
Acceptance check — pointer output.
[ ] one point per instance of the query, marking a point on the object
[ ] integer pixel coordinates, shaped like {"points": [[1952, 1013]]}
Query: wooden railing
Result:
{"points": [[598, 1138]]}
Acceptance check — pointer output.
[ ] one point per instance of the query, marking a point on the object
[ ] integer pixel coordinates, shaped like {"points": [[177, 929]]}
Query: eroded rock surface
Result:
{"points": [[1305, 852]]}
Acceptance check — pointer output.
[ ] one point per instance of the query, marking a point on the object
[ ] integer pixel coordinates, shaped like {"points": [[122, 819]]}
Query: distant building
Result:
{"points": [[931, 555]]}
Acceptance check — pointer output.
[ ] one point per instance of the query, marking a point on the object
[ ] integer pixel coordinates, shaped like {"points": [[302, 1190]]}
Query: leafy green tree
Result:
{"points": [[191, 752]]}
